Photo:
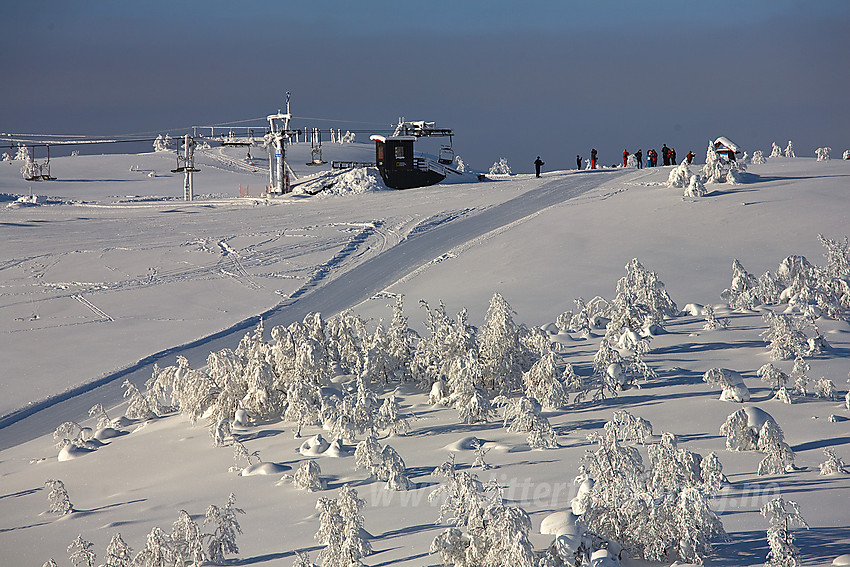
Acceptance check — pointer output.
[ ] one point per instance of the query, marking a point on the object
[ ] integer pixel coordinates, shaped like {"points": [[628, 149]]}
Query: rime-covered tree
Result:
{"points": [[778, 456], [783, 516], [157, 551], [500, 350], [659, 513], [302, 559], [544, 383], [60, 502], [81, 552], [466, 376], [789, 150], [758, 158], [118, 553], [137, 404], [399, 344], [341, 529], [225, 529], [389, 417], [524, 415], [825, 389], [187, 540], [833, 464], [303, 403], [734, 389], [775, 150], [743, 292], [628, 428], [307, 476], [778, 381]]}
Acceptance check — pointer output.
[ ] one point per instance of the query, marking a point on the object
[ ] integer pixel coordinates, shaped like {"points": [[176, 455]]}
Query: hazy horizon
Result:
{"points": [[542, 78]]}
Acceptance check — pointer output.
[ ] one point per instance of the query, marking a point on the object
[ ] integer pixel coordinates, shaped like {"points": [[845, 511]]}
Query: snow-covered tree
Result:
{"points": [[628, 428], [713, 171], [60, 502], [776, 150], [303, 403], [740, 436], [187, 540], [799, 374], [825, 389], [101, 415], [307, 476], [524, 415], [500, 167], [341, 529], [833, 464], [500, 350], [785, 338], [225, 528], [483, 533], [480, 452], [545, 383], [302, 559], [823, 154], [389, 417], [778, 381], [789, 150], [743, 293], [138, 406], [467, 394], [734, 389], [758, 158], [157, 551], [161, 143], [659, 513], [399, 344], [118, 553], [783, 516], [50, 563], [846, 154], [81, 552], [384, 463], [778, 458]]}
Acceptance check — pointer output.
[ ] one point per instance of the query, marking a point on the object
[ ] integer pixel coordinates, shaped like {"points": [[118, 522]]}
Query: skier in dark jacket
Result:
{"points": [[578, 163], [639, 158], [665, 154], [593, 158], [672, 156], [538, 163]]}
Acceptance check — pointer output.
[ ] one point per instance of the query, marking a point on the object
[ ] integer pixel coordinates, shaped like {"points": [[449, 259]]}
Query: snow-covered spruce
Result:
{"points": [[341, 529], [81, 553], [225, 529], [657, 513], [60, 502], [823, 153], [483, 532], [753, 429], [524, 415], [732, 383], [500, 167], [783, 515], [758, 158], [789, 150], [833, 465]]}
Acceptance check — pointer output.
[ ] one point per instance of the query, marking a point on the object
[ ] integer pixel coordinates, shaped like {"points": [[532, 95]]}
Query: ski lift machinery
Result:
{"points": [[276, 139]]}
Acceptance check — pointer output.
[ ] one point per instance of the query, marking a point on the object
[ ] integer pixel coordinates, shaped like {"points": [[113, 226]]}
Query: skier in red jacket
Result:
{"points": [[625, 158]]}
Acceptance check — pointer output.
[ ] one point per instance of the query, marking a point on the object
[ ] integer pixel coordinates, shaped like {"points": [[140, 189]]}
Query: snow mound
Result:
{"points": [[108, 433], [314, 446], [352, 181], [70, 452], [338, 449], [465, 444], [264, 469], [842, 559]]}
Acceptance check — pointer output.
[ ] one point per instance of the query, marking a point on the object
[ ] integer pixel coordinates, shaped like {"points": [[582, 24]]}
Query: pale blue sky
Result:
{"points": [[514, 79]]}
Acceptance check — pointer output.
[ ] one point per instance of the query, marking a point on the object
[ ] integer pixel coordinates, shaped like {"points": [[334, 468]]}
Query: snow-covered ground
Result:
{"points": [[111, 272]]}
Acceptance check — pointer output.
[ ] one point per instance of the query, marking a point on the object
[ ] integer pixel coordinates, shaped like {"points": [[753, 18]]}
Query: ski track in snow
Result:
{"points": [[324, 292]]}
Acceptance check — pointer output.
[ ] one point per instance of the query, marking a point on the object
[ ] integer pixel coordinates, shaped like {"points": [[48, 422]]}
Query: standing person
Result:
{"points": [[665, 154], [593, 158], [578, 162], [639, 158], [625, 158], [690, 157], [538, 163], [672, 156]]}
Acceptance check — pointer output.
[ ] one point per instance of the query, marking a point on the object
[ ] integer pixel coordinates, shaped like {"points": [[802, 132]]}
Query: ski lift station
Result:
{"points": [[397, 164]]}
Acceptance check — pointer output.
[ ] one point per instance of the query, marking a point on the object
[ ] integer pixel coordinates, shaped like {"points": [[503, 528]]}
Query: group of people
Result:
{"points": [[668, 156]]}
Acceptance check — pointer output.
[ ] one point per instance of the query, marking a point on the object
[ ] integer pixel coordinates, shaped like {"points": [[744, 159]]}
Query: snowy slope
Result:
{"points": [[101, 281]]}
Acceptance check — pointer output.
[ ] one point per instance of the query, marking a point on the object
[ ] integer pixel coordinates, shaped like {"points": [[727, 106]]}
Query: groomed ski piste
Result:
{"points": [[107, 275]]}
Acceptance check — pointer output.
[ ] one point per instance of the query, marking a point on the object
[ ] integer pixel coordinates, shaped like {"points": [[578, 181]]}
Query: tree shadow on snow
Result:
{"points": [[457, 428], [821, 444], [816, 545], [271, 556]]}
